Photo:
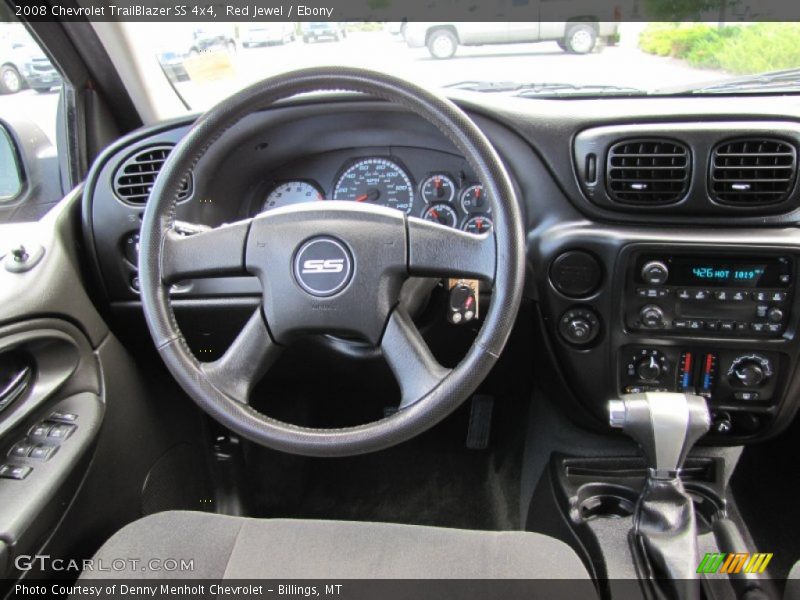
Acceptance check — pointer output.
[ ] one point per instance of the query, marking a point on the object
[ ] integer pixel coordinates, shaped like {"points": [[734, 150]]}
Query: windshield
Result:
{"points": [[206, 63]]}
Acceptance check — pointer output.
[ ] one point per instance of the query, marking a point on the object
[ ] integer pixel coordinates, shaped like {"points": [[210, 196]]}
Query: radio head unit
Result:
{"points": [[741, 295]]}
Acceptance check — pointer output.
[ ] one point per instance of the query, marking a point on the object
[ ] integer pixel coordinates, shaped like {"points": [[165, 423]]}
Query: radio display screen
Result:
{"points": [[733, 272], [721, 274]]}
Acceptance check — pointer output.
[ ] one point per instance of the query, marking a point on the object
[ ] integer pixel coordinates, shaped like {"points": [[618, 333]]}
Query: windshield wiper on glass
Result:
{"points": [[775, 81], [546, 89]]}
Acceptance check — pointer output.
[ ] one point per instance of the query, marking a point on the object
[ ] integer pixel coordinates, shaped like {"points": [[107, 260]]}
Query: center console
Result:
{"points": [[712, 319]]}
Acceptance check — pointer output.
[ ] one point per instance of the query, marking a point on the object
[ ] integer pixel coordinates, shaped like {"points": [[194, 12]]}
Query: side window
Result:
{"points": [[29, 98]]}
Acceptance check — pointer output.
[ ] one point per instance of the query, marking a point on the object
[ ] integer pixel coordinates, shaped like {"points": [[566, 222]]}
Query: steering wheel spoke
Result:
{"points": [[439, 251], [215, 252], [416, 369], [245, 362]]}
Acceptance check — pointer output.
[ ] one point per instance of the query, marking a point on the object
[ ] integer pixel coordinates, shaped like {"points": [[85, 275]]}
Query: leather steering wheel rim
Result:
{"points": [[160, 251]]}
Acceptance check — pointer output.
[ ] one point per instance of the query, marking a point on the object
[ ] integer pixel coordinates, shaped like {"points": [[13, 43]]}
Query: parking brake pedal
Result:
{"points": [[480, 422]]}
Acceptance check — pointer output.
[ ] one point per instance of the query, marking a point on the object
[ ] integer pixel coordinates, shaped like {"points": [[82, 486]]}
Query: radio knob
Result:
{"points": [[775, 315], [652, 316], [655, 272]]}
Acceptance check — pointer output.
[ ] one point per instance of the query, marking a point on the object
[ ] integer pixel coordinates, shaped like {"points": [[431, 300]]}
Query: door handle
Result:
{"points": [[15, 376]]}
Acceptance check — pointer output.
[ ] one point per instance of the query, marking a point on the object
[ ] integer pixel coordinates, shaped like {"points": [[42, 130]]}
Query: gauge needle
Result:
{"points": [[362, 198], [435, 213]]}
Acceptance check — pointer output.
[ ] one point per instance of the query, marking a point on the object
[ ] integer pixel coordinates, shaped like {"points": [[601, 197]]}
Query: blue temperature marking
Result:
{"points": [[686, 380], [706, 381]]}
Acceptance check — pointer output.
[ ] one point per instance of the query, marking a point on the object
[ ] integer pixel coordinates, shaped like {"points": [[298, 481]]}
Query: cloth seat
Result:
{"points": [[244, 548]]}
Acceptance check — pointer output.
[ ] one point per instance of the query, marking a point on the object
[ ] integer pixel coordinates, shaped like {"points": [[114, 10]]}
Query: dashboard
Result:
{"points": [[663, 244]]}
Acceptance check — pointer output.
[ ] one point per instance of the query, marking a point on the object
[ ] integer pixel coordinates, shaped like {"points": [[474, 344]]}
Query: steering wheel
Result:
{"points": [[331, 267]]}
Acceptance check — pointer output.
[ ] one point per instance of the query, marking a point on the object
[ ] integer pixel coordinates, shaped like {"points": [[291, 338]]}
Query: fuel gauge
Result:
{"points": [[438, 188], [441, 213]]}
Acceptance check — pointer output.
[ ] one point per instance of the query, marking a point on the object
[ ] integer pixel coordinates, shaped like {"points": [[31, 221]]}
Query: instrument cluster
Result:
{"points": [[453, 201]]}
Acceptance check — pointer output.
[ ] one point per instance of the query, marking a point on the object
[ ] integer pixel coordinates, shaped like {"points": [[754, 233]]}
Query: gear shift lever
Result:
{"points": [[665, 425], [664, 535]]}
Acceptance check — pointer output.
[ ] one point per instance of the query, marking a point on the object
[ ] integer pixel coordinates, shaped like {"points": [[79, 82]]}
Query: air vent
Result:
{"points": [[134, 179], [753, 171], [648, 172]]}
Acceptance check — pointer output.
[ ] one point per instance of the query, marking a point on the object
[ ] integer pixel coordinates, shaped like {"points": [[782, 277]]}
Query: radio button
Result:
{"points": [[684, 294], [774, 327], [748, 396], [722, 295], [701, 295], [727, 325], [738, 296], [761, 311], [742, 326], [758, 327], [712, 325], [777, 296], [652, 292], [695, 324], [761, 296]]}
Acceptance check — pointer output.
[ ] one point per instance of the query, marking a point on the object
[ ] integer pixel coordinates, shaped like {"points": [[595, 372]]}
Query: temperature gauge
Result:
{"points": [[474, 200], [477, 224], [441, 213], [438, 188]]}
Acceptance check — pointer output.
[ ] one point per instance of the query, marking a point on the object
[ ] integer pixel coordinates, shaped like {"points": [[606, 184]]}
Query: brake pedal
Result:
{"points": [[480, 422]]}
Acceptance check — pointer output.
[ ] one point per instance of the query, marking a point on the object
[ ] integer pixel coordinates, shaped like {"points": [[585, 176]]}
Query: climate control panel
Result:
{"points": [[724, 376]]}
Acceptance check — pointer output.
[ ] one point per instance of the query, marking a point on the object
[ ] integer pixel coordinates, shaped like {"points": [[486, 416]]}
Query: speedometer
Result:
{"points": [[378, 181]]}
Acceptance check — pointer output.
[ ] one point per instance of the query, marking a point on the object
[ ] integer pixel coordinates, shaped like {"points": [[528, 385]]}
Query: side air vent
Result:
{"points": [[752, 171], [134, 178], [648, 171]]}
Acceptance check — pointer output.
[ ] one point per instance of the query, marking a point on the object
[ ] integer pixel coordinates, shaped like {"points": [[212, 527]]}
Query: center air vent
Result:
{"points": [[752, 171], [134, 178], [648, 171]]}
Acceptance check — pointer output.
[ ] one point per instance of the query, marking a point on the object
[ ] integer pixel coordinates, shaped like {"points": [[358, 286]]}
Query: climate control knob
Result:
{"points": [[750, 370], [655, 272], [652, 316], [648, 369]]}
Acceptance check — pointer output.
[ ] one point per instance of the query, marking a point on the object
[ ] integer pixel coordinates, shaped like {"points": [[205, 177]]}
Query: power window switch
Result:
{"points": [[21, 449], [14, 472], [42, 452], [40, 430], [60, 431], [64, 416]]}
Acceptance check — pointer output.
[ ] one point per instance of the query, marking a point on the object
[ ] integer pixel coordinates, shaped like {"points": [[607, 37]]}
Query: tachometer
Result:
{"points": [[292, 192], [376, 180]]}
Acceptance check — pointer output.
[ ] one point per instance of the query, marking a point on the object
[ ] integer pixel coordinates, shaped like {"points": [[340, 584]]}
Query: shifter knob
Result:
{"points": [[665, 425]]}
